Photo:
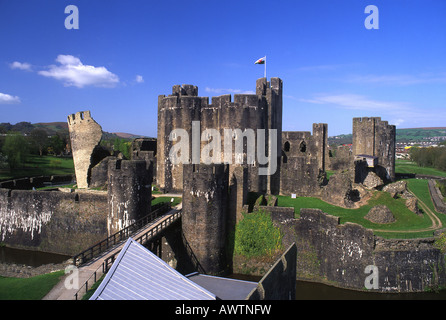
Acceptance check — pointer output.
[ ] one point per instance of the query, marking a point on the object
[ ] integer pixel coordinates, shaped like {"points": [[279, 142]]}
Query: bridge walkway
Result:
{"points": [[88, 273]]}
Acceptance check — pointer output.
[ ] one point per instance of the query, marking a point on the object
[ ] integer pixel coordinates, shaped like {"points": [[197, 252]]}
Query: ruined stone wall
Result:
{"points": [[129, 193], [204, 218], [374, 137], [85, 136], [279, 282], [262, 110], [53, 221], [304, 158], [436, 196], [339, 254]]}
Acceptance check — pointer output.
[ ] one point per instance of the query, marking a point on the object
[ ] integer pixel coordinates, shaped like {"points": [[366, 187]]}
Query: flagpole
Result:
{"points": [[265, 66]]}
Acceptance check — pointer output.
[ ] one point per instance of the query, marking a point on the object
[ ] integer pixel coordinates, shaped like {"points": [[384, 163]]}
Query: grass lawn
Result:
{"points": [[34, 288], [406, 166], [405, 219], [176, 200], [40, 166]]}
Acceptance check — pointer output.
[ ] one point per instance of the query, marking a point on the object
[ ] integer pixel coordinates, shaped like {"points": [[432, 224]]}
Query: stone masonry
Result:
{"points": [[85, 135]]}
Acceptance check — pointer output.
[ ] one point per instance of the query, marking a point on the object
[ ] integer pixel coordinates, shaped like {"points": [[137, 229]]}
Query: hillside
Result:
{"points": [[56, 127], [402, 135]]}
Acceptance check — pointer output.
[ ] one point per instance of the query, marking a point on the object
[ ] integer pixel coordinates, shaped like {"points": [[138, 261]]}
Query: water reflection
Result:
{"points": [[306, 290], [317, 291], [29, 258]]}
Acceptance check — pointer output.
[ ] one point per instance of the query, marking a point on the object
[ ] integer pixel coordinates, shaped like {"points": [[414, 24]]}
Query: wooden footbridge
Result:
{"points": [[92, 263]]}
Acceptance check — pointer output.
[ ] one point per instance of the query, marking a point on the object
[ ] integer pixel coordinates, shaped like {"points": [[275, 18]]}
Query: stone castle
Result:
{"points": [[302, 157], [262, 110], [215, 195]]}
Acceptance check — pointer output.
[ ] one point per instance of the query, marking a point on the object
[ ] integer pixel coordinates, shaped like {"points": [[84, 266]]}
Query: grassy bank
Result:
{"points": [[34, 288], [406, 166], [406, 220], [40, 166]]}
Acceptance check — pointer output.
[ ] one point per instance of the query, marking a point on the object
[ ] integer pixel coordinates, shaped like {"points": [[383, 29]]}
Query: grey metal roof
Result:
{"points": [[224, 288], [138, 274]]}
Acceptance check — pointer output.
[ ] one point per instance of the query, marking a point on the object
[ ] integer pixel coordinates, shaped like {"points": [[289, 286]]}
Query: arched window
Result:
{"points": [[303, 146]]}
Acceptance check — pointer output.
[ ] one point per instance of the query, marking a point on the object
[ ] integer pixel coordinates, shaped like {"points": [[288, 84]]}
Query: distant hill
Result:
{"points": [[402, 135], [54, 127], [419, 134], [127, 135]]}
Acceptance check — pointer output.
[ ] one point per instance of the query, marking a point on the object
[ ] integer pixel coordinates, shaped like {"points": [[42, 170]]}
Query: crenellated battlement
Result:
{"points": [[259, 110], [79, 117], [366, 119]]}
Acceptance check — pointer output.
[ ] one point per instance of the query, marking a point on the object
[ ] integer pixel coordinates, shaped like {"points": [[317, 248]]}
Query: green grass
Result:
{"points": [[40, 166], [420, 188], [256, 235], [406, 166], [176, 200], [405, 219], [34, 288]]}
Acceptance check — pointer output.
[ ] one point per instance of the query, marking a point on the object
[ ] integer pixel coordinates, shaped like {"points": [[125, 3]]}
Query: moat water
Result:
{"points": [[29, 257], [305, 290]]}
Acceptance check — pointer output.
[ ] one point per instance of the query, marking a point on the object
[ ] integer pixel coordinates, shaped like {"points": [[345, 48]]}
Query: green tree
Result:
{"points": [[122, 146], [57, 144], [16, 148], [39, 139]]}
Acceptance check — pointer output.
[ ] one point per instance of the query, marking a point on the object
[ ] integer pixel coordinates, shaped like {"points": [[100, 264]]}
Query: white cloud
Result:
{"points": [[74, 73], [230, 91], [357, 102], [8, 99], [399, 79], [20, 65], [139, 78], [396, 112]]}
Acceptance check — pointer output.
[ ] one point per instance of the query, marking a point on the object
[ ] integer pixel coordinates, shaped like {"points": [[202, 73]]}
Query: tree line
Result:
{"points": [[16, 147], [434, 157]]}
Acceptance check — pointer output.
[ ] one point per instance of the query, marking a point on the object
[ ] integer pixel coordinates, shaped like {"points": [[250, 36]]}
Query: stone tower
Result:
{"points": [[85, 136], [376, 138], [204, 219], [129, 192], [304, 157], [179, 110]]}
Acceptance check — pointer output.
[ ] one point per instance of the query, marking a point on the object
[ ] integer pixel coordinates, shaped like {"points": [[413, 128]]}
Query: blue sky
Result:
{"points": [[126, 53]]}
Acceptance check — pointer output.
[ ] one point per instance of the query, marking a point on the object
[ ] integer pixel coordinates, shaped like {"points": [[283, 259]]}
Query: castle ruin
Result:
{"points": [[179, 110], [85, 136], [374, 142]]}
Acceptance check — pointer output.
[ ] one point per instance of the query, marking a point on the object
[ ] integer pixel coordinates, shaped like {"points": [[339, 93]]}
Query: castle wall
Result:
{"points": [[304, 156], [339, 254], [374, 137], [262, 110], [52, 221]]}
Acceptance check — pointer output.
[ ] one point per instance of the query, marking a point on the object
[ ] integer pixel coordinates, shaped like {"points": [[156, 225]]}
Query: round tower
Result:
{"points": [[205, 196], [176, 111], [129, 193]]}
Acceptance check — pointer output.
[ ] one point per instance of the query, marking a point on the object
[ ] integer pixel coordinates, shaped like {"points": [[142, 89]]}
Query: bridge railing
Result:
{"points": [[119, 236], [145, 237], [108, 262]]}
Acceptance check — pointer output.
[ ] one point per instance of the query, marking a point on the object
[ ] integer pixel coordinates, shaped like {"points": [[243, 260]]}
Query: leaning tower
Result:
{"points": [[85, 135]]}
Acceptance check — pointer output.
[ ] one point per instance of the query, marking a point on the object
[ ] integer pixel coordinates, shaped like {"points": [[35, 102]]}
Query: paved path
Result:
{"points": [[86, 271]]}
